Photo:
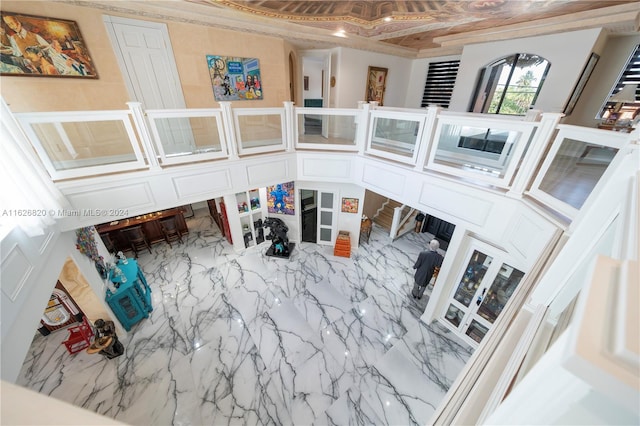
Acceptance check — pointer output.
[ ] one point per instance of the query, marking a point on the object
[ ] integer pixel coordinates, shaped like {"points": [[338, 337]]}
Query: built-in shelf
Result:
{"points": [[250, 207]]}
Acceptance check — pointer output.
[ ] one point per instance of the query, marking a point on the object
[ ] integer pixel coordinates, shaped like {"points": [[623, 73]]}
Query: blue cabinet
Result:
{"points": [[132, 300]]}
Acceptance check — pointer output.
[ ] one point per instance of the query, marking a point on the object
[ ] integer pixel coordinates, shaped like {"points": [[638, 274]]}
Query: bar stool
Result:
{"points": [[170, 230], [137, 239], [110, 243]]}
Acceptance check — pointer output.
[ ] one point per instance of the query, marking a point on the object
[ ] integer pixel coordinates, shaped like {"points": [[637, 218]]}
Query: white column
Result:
{"points": [[290, 126], [145, 136], [362, 120], [427, 143], [229, 130], [534, 153]]}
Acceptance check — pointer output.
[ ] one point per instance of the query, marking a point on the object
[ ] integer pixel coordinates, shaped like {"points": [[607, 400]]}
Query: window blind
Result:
{"points": [[629, 75], [441, 77]]}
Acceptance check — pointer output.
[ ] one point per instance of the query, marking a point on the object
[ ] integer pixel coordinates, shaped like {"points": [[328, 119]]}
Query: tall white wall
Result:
{"points": [[351, 77], [567, 53], [613, 58], [30, 269], [312, 68]]}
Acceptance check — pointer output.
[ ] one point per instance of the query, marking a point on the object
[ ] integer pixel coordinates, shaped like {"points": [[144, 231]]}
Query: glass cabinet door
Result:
{"points": [[484, 288], [470, 284], [500, 292], [472, 278]]}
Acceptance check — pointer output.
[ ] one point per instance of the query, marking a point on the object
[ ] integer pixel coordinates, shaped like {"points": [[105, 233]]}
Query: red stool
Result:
{"points": [[79, 337]]}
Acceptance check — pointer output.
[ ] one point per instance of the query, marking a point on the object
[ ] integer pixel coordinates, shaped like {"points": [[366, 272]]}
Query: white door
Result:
{"points": [[320, 60], [146, 60], [326, 217], [484, 288]]}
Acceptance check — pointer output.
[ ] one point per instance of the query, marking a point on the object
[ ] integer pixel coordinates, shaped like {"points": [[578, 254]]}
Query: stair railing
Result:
{"points": [[398, 223]]}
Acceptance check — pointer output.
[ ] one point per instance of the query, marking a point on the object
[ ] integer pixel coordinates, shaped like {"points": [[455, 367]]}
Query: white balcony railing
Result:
{"points": [[186, 136], [84, 143], [516, 155]]}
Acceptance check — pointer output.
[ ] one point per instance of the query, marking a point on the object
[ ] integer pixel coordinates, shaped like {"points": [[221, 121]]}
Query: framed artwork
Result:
{"points": [[582, 82], [37, 46], [235, 79], [350, 205], [376, 81], [280, 198]]}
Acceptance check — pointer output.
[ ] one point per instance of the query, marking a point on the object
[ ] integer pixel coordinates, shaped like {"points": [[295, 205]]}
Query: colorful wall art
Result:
{"points": [[235, 79], [280, 198]]}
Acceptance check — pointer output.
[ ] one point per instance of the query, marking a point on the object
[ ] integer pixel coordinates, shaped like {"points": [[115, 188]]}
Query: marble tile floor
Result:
{"points": [[249, 339]]}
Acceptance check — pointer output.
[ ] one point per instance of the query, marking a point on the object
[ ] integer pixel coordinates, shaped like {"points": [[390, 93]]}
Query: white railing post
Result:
{"points": [[362, 120], [290, 127], [427, 142], [145, 136], [395, 222], [532, 157], [229, 130]]}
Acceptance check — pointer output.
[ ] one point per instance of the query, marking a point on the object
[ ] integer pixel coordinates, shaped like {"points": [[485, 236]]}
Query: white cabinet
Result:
{"points": [[246, 220], [483, 288]]}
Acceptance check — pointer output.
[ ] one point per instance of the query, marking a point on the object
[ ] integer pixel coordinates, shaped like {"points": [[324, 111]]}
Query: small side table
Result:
{"points": [[343, 245], [365, 230]]}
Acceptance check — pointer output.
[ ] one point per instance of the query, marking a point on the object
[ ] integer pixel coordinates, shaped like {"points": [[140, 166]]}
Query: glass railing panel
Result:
{"points": [[325, 129], [261, 132], [82, 144], [183, 136], [575, 170], [186, 136], [396, 136], [478, 149], [576, 164], [484, 149]]}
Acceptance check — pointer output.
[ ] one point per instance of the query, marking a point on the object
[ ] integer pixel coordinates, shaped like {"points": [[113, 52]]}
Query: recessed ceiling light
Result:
{"points": [[340, 33], [388, 19]]}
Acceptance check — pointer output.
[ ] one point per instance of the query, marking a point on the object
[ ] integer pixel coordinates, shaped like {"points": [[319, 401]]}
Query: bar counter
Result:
{"points": [[150, 222]]}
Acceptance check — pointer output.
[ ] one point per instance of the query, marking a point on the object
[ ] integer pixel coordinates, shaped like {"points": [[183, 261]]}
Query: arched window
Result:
{"points": [[510, 85]]}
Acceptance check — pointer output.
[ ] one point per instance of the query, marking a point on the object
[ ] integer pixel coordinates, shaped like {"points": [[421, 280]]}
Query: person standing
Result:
{"points": [[427, 262], [419, 218], [21, 39]]}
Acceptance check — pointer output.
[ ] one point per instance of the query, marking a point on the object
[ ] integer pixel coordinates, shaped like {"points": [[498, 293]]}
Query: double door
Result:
{"points": [[318, 217], [483, 288]]}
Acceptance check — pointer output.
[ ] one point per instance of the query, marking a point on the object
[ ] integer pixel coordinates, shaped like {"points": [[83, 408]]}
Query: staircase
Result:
{"points": [[384, 215]]}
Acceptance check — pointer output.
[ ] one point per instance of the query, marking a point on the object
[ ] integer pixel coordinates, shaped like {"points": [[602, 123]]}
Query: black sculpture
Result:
{"points": [[280, 246]]}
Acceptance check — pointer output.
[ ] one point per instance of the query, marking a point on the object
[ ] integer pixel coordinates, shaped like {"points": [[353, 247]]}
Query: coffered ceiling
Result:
{"points": [[404, 28]]}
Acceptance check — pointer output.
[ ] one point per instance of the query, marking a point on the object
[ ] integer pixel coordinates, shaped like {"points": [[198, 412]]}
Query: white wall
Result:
{"points": [[30, 269], [351, 77], [312, 68], [349, 222], [613, 58], [567, 53]]}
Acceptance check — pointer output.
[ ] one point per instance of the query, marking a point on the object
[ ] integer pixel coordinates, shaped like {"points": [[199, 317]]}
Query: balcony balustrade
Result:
{"points": [[557, 165]]}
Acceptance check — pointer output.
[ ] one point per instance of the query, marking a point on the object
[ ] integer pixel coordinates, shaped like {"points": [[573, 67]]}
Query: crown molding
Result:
{"points": [[622, 16], [616, 19], [212, 16]]}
